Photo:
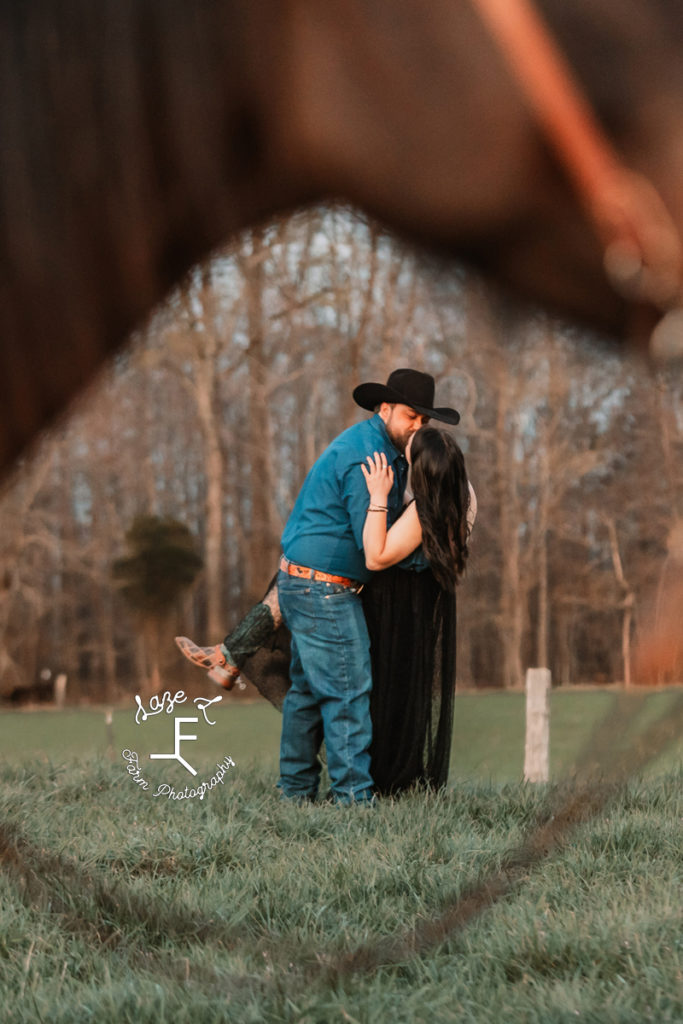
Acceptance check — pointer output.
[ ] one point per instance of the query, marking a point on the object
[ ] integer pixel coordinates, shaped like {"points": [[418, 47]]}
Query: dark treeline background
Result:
{"points": [[237, 383]]}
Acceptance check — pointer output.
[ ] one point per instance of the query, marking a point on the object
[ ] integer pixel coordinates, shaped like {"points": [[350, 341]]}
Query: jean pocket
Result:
{"points": [[299, 607]]}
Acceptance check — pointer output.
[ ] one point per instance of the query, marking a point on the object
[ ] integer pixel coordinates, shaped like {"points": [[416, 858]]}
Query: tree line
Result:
{"points": [[239, 380]]}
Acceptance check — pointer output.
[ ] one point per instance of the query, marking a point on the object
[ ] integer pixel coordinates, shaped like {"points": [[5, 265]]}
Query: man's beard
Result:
{"points": [[399, 441]]}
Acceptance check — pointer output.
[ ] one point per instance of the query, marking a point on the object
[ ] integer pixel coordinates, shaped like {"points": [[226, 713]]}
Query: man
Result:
{"points": [[321, 574]]}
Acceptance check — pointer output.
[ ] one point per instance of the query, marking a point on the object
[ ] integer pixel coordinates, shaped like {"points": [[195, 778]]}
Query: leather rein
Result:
{"points": [[643, 253]]}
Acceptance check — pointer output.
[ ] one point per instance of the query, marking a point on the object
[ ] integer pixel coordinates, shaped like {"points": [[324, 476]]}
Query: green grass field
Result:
{"points": [[492, 901]]}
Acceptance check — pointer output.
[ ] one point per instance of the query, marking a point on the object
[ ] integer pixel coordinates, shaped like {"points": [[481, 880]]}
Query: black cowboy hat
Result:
{"points": [[406, 387]]}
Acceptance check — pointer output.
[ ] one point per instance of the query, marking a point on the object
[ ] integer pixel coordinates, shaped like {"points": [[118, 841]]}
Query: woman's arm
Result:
{"points": [[383, 549]]}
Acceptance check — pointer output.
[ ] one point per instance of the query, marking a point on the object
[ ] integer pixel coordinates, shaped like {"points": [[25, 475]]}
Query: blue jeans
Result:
{"points": [[330, 694]]}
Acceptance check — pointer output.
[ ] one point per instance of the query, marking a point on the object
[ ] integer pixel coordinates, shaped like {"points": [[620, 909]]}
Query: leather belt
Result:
{"points": [[304, 573]]}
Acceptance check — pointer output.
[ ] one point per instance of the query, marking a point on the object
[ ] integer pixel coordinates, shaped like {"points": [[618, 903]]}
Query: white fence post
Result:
{"points": [[109, 731], [60, 690], [537, 748]]}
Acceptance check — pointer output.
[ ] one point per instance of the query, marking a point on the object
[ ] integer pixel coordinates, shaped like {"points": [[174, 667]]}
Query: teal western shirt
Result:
{"points": [[325, 529]]}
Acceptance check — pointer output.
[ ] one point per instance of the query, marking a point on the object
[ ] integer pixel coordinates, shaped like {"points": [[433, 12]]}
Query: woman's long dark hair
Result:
{"points": [[442, 498]]}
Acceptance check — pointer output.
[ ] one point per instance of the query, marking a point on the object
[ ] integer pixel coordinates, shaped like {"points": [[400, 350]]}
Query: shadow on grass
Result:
{"points": [[48, 880]]}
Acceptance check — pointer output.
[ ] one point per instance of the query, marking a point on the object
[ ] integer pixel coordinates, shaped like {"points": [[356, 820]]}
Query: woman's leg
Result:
{"points": [[224, 661], [256, 628]]}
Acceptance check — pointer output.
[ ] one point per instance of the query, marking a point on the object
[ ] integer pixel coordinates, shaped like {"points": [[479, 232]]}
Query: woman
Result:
{"points": [[410, 611]]}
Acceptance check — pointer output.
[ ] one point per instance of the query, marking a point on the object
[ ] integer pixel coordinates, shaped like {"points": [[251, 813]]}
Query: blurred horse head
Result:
{"points": [[138, 135]]}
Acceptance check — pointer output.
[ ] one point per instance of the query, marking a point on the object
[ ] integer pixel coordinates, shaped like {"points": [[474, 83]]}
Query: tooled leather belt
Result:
{"points": [[303, 572]]}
